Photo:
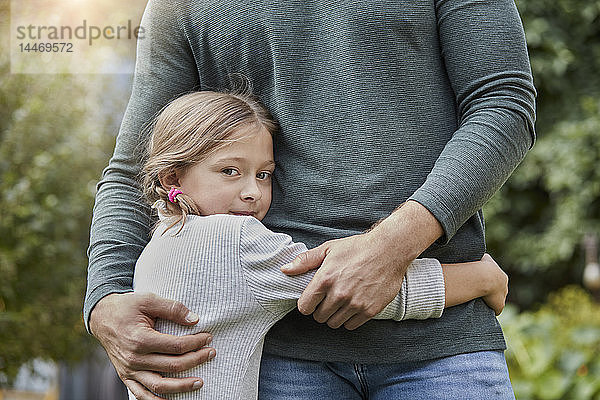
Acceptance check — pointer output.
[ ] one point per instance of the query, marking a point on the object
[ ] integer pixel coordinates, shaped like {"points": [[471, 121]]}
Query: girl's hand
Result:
{"points": [[497, 289]]}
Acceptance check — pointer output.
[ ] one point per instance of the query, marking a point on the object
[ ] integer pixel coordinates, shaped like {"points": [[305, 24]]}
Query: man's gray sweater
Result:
{"points": [[378, 102]]}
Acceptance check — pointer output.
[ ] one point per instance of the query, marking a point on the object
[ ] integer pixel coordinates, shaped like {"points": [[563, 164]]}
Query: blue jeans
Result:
{"points": [[479, 375]]}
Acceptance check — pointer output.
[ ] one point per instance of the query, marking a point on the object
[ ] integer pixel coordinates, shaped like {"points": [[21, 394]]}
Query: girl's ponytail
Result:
{"points": [[178, 209]]}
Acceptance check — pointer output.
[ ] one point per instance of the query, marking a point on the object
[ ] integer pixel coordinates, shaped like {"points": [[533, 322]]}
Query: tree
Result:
{"points": [[55, 138], [536, 223]]}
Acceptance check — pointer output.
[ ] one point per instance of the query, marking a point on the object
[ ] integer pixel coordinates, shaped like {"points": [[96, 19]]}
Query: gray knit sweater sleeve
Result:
{"points": [[121, 222], [487, 64], [263, 252]]}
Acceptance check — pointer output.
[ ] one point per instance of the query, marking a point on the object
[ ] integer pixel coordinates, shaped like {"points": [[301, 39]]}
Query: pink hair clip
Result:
{"points": [[173, 193]]}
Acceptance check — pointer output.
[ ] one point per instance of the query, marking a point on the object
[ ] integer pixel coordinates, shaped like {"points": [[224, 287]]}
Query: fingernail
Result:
{"points": [[191, 317], [197, 385], [211, 354], [208, 341], [287, 267]]}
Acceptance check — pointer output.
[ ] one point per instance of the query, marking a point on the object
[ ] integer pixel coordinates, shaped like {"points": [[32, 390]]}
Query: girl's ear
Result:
{"points": [[169, 179]]}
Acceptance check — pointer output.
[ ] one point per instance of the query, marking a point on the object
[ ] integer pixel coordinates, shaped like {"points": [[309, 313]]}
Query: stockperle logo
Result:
{"points": [[75, 36]]}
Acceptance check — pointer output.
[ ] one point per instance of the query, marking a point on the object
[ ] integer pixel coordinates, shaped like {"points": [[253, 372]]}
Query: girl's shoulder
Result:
{"points": [[221, 220], [220, 225], [244, 227]]}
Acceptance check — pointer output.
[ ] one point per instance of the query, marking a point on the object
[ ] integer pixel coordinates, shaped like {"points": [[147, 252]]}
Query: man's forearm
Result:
{"points": [[119, 233], [407, 231]]}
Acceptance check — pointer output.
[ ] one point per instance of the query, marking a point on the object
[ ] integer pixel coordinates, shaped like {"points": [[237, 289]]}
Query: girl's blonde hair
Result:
{"points": [[190, 129]]}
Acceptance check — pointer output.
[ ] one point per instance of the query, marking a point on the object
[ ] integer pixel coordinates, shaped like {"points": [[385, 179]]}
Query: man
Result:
{"points": [[427, 104]]}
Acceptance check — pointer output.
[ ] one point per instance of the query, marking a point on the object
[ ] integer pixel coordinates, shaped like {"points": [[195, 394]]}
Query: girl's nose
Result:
{"points": [[251, 191]]}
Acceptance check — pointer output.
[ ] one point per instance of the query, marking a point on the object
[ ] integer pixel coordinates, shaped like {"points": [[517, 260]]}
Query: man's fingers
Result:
{"points": [[306, 261], [156, 306], [356, 321], [326, 308], [310, 299], [158, 384], [139, 391], [172, 364], [340, 317], [155, 342]]}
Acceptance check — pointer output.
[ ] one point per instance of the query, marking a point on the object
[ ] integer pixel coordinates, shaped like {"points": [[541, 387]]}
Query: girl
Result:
{"points": [[208, 172]]}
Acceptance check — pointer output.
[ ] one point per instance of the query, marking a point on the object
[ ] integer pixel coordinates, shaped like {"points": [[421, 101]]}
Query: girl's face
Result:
{"points": [[236, 179]]}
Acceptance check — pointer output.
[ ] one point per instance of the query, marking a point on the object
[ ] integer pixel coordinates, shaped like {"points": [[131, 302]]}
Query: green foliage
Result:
{"points": [[536, 223], [554, 353], [563, 38], [54, 141], [43, 215]]}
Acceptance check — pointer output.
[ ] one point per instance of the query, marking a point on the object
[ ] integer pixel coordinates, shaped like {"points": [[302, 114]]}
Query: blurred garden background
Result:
{"points": [[57, 132]]}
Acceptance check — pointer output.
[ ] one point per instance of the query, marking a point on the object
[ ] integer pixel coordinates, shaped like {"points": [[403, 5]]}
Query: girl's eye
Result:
{"points": [[263, 175], [230, 171]]}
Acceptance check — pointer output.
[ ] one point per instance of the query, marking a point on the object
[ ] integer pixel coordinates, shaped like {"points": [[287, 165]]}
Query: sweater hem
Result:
{"points": [[387, 356]]}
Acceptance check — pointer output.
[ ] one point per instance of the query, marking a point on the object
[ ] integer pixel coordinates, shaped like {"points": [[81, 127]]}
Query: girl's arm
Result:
{"points": [[263, 253], [467, 281], [462, 282], [422, 296]]}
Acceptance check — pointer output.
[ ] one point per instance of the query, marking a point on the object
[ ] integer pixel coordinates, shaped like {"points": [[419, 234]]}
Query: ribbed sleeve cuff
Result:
{"points": [[425, 289], [397, 307]]}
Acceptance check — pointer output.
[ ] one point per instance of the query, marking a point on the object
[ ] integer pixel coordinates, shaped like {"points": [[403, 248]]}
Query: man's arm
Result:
{"points": [[123, 322], [263, 252], [483, 45], [462, 281], [360, 274], [485, 54]]}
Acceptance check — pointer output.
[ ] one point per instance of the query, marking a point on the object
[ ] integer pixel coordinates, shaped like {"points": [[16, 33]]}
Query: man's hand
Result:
{"points": [[124, 325], [359, 275], [356, 281]]}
